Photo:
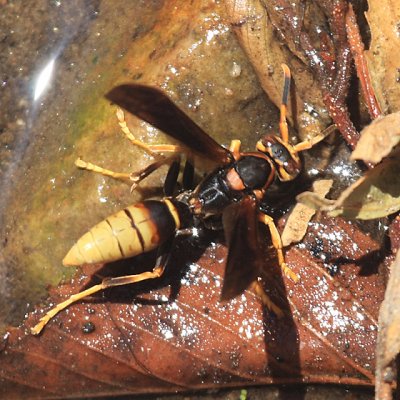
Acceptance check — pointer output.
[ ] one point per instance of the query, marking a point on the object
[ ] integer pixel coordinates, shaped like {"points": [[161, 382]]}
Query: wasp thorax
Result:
{"points": [[195, 206]]}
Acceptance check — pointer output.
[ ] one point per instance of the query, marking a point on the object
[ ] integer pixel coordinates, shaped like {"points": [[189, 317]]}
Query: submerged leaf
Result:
{"points": [[375, 195], [258, 37], [378, 139]]}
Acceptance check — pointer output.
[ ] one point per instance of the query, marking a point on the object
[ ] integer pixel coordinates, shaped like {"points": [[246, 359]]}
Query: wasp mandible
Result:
{"points": [[232, 193]]}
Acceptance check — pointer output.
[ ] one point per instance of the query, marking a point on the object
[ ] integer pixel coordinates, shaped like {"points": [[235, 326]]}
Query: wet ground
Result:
{"points": [[46, 202]]}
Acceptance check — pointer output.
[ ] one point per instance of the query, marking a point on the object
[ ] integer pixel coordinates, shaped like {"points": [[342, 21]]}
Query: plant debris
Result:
{"points": [[375, 195], [297, 223], [379, 140]]}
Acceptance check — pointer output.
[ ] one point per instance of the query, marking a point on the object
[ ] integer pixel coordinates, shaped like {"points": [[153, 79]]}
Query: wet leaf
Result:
{"points": [[259, 39], [384, 52], [394, 234], [375, 195], [389, 339], [139, 341], [378, 139], [315, 47], [297, 223]]}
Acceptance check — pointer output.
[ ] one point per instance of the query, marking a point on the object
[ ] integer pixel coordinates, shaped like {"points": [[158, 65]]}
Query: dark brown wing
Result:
{"points": [[245, 256], [154, 107]]}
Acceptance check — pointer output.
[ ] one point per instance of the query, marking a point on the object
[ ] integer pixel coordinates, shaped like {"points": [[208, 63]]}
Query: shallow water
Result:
{"points": [[46, 202]]}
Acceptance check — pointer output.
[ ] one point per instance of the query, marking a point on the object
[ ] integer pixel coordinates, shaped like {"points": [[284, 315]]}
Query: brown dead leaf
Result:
{"points": [[258, 37], [394, 234], [297, 223], [375, 195], [388, 338], [383, 55], [378, 139], [132, 340]]}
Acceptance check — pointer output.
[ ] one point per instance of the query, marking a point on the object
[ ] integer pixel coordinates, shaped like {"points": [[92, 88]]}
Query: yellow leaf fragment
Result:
{"points": [[375, 195], [297, 223]]}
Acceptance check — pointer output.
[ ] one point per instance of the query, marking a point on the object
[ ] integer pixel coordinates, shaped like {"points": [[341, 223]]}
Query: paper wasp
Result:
{"points": [[232, 193]]}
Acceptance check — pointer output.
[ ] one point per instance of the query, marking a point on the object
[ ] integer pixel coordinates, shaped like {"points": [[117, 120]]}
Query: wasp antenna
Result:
{"points": [[286, 89]]}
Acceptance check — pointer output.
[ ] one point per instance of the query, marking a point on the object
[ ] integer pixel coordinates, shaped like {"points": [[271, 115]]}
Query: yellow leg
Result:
{"points": [[277, 243], [260, 292], [106, 172], [125, 129], [234, 148], [308, 144], [134, 178], [151, 149], [166, 148], [107, 283]]}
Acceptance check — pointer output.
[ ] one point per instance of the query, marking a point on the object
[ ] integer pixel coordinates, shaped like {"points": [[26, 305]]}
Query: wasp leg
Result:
{"points": [[133, 178], [103, 171], [172, 177], [308, 144], [149, 148], [106, 283], [234, 148], [260, 292], [137, 177], [277, 243], [188, 174], [283, 127], [173, 172], [125, 129]]}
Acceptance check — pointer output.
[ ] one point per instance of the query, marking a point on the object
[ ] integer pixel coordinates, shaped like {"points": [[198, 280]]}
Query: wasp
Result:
{"points": [[232, 193]]}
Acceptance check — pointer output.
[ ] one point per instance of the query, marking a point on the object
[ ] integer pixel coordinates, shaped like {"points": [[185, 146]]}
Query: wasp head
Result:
{"points": [[284, 156]]}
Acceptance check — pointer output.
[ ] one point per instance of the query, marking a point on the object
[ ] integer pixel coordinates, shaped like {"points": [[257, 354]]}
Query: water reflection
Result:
{"points": [[43, 79]]}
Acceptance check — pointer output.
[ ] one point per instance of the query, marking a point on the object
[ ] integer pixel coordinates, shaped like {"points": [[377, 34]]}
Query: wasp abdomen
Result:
{"points": [[134, 230]]}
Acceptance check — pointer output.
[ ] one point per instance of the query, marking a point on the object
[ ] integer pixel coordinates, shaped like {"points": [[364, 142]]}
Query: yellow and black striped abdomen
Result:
{"points": [[134, 230]]}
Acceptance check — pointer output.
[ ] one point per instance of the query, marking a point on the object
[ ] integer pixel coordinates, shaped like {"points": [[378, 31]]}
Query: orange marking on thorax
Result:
{"points": [[234, 180]]}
